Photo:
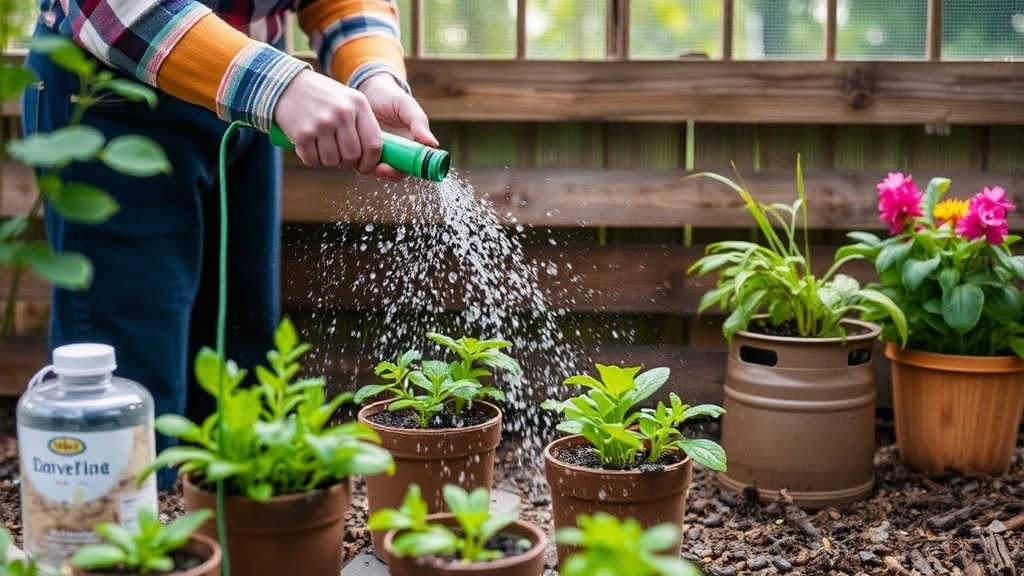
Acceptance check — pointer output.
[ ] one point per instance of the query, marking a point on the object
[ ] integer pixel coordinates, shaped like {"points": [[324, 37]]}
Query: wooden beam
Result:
{"points": [[807, 92], [622, 278], [612, 197]]}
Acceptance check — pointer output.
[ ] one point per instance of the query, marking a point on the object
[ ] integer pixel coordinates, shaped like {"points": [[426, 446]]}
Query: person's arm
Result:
{"points": [[184, 49]]}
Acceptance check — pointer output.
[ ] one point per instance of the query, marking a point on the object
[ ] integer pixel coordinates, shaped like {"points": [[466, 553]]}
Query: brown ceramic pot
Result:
{"points": [[431, 458], [530, 563], [959, 412], [800, 415], [199, 546], [273, 537], [651, 497]]}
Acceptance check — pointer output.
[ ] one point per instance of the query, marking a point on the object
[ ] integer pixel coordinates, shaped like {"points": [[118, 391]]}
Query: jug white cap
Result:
{"points": [[83, 359]]}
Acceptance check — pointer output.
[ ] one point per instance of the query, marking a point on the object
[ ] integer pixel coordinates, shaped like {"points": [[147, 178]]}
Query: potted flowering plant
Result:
{"points": [[949, 266], [800, 366]]}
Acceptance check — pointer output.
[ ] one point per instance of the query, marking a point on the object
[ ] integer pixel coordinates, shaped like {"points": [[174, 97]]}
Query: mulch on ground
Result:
{"points": [[954, 523]]}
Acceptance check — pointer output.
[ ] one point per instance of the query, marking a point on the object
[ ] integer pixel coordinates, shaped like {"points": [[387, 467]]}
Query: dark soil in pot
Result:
{"points": [[447, 418], [586, 457]]}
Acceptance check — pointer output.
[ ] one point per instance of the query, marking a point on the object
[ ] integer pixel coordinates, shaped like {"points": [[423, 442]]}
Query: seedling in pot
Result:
{"points": [[608, 546], [607, 417], [146, 551], [432, 386], [277, 437], [416, 536]]}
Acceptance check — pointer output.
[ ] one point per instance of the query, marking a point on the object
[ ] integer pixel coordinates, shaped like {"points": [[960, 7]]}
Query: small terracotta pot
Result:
{"points": [[959, 412], [431, 458], [800, 415], [198, 546], [530, 563], [273, 537], [651, 497]]}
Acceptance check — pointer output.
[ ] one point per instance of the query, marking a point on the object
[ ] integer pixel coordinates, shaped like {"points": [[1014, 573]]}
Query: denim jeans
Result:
{"points": [[154, 292]]}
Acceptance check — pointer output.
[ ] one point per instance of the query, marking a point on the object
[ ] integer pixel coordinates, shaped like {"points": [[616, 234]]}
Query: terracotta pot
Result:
{"points": [[431, 458], [800, 415], [198, 546], [272, 537], [960, 412], [651, 497], [530, 563]]}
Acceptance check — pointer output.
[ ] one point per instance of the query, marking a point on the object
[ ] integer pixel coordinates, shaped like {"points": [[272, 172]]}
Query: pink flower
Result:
{"points": [[898, 200], [986, 216]]}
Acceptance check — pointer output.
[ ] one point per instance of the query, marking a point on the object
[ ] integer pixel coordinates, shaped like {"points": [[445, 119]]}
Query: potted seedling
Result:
{"points": [[284, 465], [622, 459], [152, 549], [469, 540], [610, 546], [800, 368], [435, 421]]}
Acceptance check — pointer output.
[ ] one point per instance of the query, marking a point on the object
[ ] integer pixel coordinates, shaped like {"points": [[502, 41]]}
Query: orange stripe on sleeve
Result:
{"points": [[194, 68]]}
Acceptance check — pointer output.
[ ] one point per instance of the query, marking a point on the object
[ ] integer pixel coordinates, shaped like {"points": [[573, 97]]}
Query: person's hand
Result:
{"points": [[329, 123], [398, 113]]}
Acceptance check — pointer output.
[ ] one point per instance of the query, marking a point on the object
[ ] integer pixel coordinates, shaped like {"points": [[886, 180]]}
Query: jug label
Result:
{"points": [[71, 481]]}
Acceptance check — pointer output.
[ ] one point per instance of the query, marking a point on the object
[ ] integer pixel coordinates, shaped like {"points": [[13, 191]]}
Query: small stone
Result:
{"points": [[868, 557], [781, 564], [724, 571], [702, 550], [757, 563], [713, 521], [997, 527], [693, 534]]}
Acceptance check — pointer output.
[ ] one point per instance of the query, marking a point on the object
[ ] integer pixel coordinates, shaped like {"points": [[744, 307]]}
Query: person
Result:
{"points": [[154, 290]]}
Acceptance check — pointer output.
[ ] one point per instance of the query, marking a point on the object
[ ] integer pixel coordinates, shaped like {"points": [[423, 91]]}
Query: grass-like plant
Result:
{"points": [[606, 415], [416, 536], [774, 276], [145, 551], [277, 436], [608, 546], [432, 385]]}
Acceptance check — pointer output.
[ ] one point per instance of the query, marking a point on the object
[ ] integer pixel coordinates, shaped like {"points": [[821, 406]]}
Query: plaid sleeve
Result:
{"points": [[355, 39], [133, 35]]}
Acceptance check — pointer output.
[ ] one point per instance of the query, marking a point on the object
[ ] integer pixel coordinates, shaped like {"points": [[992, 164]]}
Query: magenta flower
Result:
{"points": [[898, 201], [986, 216]]}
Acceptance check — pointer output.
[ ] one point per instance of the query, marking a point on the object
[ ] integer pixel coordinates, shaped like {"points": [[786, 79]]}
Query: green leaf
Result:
{"points": [[663, 537], [79, 202], [134, 91], [962, 306], [435, 540], [69, 270], [58, 148], [705, 452], [892, 255], [916, 271], [98, 556], [14, 80], [135, 155], [64, 53]]}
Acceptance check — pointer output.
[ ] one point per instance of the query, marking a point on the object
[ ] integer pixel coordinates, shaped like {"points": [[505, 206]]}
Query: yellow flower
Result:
{"points": [[950, 210]]}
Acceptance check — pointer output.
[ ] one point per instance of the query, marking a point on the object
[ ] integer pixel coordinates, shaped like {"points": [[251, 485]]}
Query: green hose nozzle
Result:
{"points": [[403, 154]]}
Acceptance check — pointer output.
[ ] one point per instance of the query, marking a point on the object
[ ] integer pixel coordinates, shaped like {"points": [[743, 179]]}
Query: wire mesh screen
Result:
{"points": [[559, 30], [668, 29], [881, 29], [983, 29], [470, 28], [779, 29]]}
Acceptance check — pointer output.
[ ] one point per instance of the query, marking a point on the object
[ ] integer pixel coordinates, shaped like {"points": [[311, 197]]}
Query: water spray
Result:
{"points": [[404, 155]]}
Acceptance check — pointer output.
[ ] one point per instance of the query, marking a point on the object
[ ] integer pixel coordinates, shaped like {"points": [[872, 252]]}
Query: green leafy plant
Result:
{"points": [[417, 536], [949, 265], [51, 152], [608, 546], [145, 551], [432, 385], [606, 415], [775, 278], [20, 566], [277, 438]]}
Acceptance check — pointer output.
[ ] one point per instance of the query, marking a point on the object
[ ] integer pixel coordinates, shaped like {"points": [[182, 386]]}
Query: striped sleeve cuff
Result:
{"points": [[253, 83], [374, 68]]}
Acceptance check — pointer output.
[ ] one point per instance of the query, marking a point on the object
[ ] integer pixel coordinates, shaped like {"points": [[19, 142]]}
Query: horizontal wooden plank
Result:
{"points": [[609, 197], [838, 92], [844, 92], [20, 358], [636, 278]]}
